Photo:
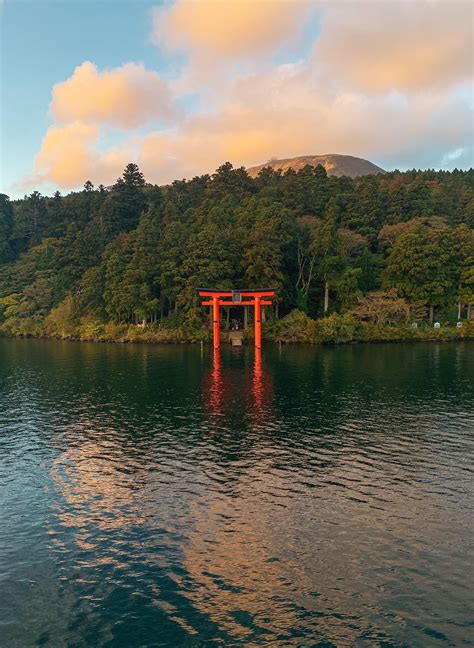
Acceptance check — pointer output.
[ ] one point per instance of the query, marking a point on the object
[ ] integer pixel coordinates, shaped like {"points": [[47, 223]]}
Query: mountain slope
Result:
{"points": [[335, 165]]}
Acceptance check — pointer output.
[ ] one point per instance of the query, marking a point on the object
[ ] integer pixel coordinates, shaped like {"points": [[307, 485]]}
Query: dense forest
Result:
{"points": [[383, 250]]}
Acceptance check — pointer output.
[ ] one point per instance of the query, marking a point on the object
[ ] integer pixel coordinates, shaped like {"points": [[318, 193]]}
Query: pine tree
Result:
{"points": [[6, 228]]}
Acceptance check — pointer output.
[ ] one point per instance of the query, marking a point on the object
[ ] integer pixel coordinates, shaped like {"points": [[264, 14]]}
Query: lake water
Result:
{"points": [[161, 496]]}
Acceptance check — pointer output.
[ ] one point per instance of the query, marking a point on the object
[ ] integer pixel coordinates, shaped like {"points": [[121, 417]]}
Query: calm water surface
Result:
{"points": [[158, 496]]}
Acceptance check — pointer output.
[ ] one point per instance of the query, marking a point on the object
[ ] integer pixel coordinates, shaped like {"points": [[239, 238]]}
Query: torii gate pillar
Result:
{"points": [[245, 297], [216, 322], [258, 323]]}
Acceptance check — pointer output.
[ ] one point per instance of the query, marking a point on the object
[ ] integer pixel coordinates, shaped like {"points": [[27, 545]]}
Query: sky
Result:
{"points": [[180, 87]]}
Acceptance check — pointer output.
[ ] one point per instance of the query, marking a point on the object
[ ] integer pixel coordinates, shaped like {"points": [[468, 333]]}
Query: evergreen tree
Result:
{"points": [[6, 228], [422, 264], [371, 266], [131, 251], [330, 251], [267, 241], [29, 221]]}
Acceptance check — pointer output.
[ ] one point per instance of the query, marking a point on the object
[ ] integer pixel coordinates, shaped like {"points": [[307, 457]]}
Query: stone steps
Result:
{"points": [[236, 338]]}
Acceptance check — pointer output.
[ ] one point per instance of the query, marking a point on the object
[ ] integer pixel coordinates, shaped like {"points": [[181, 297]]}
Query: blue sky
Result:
{"points": [[244, 83], [42, 42]]}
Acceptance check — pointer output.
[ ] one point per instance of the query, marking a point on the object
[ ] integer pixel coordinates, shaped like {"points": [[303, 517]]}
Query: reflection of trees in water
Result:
{"points": [[385, 372], [114, 377], [369, 385]]}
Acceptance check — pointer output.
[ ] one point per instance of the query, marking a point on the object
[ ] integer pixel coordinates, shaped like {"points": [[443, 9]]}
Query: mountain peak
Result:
{"points": [[335, 165]]}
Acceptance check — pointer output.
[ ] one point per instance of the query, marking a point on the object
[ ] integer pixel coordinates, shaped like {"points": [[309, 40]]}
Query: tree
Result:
{"points": [[118, 297], [29, 220], [170, 252], [352, 243], [371, 266], [420, 201], [389, 233], [421, 266], [6, 228], [466, 286], [143, 271], [62, 320], [228, 181], [306, 191], [89, 294], [382, 307], [210, 260], [329, 249], [267, 239], [307, 251], [347, 287], [39, 295], [367, 212], [126, 252], [133, 177], [461, 241], [121, 210]]}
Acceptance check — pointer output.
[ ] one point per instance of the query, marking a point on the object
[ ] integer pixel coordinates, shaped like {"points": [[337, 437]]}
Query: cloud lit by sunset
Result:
{"points": [[243, 81], [124, 97]]}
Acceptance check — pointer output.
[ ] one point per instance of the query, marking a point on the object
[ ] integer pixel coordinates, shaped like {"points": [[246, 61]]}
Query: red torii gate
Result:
{"points": [[244, 297]]}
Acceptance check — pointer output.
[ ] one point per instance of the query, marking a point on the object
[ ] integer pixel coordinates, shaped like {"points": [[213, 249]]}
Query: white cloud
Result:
{"points": [[229, 28], [406, 45], [69, 156], [381, 82], [124, 97]]}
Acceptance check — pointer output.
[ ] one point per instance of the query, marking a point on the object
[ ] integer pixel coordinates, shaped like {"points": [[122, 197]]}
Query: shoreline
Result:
{"points": [[388, 335]]}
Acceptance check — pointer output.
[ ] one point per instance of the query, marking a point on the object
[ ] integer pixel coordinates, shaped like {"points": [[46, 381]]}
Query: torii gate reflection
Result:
{"points": [[257, 387], [243, 297]]}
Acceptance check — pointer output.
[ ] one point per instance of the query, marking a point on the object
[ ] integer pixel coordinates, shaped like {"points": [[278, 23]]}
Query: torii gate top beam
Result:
{"points": [[246, 292]]}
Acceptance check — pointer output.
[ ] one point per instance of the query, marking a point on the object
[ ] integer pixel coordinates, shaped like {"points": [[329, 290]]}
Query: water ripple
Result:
{"points": [[160, 496]]}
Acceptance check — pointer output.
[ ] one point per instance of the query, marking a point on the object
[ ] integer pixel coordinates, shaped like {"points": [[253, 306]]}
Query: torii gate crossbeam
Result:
{"points": [[243, 297]]}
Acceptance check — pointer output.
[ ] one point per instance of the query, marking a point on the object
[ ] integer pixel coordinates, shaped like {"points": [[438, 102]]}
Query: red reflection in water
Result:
{"points": [[257, 385], [262, 393], [222, 385], [216, 386]]}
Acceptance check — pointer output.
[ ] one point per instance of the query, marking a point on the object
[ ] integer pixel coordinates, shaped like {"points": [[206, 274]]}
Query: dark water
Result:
{"points": [[153, 497]]}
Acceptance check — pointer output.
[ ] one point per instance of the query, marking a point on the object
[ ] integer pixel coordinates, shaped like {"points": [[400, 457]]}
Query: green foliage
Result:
{"points": [[335, 328], [6, 228], [11, 306], [347, 287], [62, 320], [294, 327], [125, 262], [371, 266], [466, 281], [91, 330], [425, 263], [265, 244], [211, 257]]}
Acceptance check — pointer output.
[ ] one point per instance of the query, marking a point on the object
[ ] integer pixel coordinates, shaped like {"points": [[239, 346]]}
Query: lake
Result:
{"points": [[161, 496]]}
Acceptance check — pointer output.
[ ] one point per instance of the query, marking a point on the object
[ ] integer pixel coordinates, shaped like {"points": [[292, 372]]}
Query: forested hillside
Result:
{"points": [[382, 249]]}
